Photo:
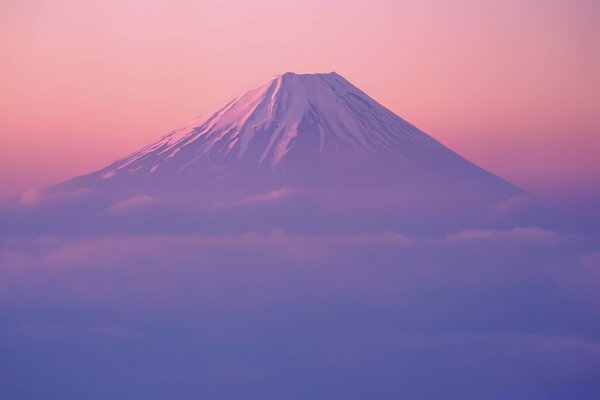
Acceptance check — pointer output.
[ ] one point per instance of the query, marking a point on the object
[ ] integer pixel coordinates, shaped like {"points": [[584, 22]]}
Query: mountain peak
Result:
{"points": [[321, 78], [320, 113], [290, 74], [303, 125]]}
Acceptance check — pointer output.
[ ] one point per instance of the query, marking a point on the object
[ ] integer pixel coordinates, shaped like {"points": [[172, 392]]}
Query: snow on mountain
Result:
{"points": [[264, 124], [297, 130]]}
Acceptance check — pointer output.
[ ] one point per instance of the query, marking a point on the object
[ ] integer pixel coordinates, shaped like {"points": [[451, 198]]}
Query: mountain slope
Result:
{"points": [[313, 132]]}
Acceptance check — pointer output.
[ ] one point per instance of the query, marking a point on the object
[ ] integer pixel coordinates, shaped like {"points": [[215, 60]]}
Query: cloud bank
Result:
{"points": [[482, 313]]}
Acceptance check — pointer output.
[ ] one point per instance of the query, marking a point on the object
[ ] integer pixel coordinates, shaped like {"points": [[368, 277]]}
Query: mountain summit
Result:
{"points": [[311, 132], [312, 113]]}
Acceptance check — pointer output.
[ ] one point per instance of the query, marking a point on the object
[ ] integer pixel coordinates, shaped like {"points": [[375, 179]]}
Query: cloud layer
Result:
{"points": [[482, 313]]}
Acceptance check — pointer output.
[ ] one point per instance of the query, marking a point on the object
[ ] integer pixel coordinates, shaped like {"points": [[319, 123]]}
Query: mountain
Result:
{"points": [[314, 133]]}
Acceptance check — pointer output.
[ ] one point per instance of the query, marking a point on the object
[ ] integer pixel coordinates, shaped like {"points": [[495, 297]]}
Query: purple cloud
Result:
{"points": [[131, 204], [519, 234]]}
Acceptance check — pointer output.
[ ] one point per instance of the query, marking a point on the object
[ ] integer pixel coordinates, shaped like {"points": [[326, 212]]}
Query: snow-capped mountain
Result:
{"points": [[265, 124], [312, 132]]}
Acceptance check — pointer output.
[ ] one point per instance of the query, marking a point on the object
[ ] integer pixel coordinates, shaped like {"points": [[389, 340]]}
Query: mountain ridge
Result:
{"points": [[300, 131], [280, 105]]}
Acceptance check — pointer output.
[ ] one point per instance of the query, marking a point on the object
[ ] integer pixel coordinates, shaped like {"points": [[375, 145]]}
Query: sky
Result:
{"points": [[511, 85], [246, 293]]}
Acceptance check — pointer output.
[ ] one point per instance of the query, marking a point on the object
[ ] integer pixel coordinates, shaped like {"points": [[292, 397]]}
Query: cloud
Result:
{"points": [[132, 204], [270, 298], [511, 206], [37, 196], [273, 196], [220, 313], [529, 235], [54, 331], [592, 260], [30, 196]]}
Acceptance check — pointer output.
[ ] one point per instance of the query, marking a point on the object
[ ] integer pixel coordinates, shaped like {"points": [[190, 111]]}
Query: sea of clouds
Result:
{"points": [[272, 297]]}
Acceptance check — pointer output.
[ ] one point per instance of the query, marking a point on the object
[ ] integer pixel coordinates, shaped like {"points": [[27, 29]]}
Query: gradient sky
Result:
{"points": [[511, 85]]}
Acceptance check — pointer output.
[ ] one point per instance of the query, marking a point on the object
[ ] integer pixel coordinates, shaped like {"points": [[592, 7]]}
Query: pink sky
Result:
{"points": [[512, 85]]}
